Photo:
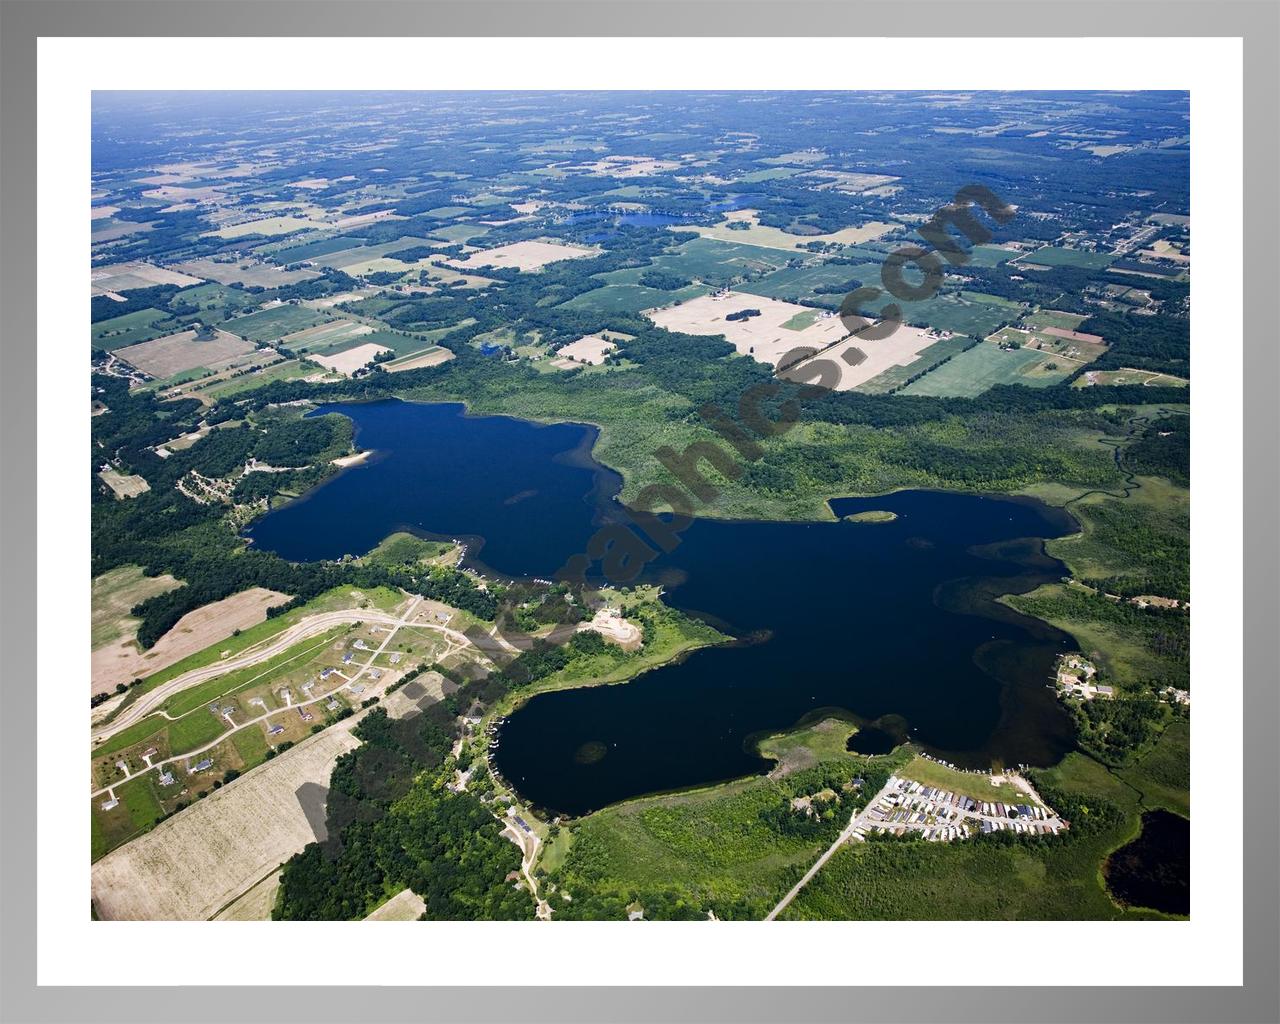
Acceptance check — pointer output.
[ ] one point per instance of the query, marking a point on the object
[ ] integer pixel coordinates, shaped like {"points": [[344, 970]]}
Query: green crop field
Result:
{"points": [[130, 329], [949, 312], [719, 263], [272, 324], [795, 283], [983, 367], [1054, 256], [897, 376], [629, 298]]}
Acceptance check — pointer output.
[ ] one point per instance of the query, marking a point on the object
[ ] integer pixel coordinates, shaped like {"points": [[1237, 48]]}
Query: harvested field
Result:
{"points": [[763, 337], [256, 904], [114, 593], [122, 277], [164, 357], [121, 661], [406, 905], [591, 349], [530, 255], [775, 238], [245, 272], [1089, 339], [351, 360], [194, 864], [430, 357], [361, 219], [902, 348], [124, 485], [267, 226]]}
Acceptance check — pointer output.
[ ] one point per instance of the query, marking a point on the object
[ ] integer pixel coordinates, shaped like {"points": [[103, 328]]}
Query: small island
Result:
{"points": [[871, 516]]}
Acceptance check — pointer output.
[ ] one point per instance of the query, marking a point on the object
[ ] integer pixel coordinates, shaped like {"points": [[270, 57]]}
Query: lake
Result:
{"points": [[1154, 870], [886, 621]]}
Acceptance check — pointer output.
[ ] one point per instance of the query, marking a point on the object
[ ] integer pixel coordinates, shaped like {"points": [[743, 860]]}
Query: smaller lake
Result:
{"points": [[1154, 870]]}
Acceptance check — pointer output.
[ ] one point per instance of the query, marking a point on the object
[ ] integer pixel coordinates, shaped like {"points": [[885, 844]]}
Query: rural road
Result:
{"points": [[842, 838]]}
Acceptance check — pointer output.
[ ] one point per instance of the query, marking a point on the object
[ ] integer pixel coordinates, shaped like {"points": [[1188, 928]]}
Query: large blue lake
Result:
{"points": [[893, 623]]}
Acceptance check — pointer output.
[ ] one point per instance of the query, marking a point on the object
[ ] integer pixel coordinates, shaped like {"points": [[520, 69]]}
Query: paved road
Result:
{"points": [[858, 819]]}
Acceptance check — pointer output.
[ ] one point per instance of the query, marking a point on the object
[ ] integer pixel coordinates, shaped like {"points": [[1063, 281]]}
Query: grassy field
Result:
{"points": [[1054, 318], [274, 323], [982, 367], [1052, 256], [977, 786], [989, 255]]}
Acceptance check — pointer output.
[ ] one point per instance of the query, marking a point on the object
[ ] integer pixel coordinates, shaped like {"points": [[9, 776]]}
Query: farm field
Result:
{"points": [[629, 298], [130, 329], [796, 283], [776, 238], [1056, 256], [590, 349], [124, 485], [433, 356], [983, 367], [121, 662], [173, 354], [349, 360], [111, 597], [192, 865], [895, 353], [273, 323], [324, 336], [524, 256], [406, 905], [712, 261], [1042, 318], [245, 271], [948, 311], [309, 251], [897, 376], [122, 277], [764, 337], [990, 255], [267, 226]]}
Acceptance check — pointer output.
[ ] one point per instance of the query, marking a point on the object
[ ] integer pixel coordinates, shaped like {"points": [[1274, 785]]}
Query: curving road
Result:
{"points": [[321, 622]]}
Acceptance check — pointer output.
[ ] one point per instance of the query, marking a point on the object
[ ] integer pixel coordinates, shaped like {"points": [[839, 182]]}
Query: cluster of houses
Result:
{"points": [[1076, 675], [941, 816]]}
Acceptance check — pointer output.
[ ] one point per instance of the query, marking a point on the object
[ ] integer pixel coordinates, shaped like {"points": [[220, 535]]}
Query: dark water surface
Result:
{"points": [[886, 619], [1154, 870]]}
